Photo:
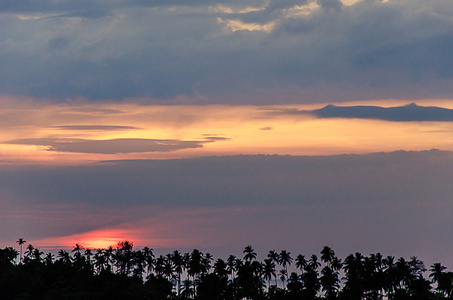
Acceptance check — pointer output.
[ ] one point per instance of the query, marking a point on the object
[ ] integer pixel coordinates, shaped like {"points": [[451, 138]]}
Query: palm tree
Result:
{"points": [[187, 289], [329, 282], [274, 257], [29, 252], [310, 279], [195, 264], [301, 262], [37, 255], [21, 241], [206, 263], [168, 267], [269, 271], [327, 254], [99, 260], [283, 274], [149, 259], [178, 262], [313, 262], [250, 254], [220, 268], [159, 265], [436, 271], [64, 257], [285, 259], [231, 265], [139, 262], [49, 259]]}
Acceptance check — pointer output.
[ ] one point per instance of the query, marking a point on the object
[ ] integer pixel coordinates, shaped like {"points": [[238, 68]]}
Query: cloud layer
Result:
{"points": [[241, 51], [397, 203], [407, 113]]}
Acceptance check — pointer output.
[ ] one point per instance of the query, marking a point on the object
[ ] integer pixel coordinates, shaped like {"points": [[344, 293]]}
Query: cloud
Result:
{"points": [[396, 203], [164, 49], [113, 146], [95, 127], [407, 113]]}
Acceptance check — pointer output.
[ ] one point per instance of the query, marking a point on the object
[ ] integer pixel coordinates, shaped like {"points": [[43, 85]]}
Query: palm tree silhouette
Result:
{"points": [[329, 282], [178, 262], [327, 254], [274, 257], [231, 265], [301, 262], [29, 252], [285, 259], [283, 274], [250, 254], [269, 272], [21, 241], [436, 271], [149, 259]]}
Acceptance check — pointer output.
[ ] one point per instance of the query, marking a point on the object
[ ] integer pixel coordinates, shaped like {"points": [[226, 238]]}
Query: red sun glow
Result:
{"points": [[96, 239]]}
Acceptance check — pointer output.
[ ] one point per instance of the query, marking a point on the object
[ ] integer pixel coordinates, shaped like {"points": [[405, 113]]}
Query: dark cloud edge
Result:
{"points": [[332, 157], [407, 113], [114, 146]]}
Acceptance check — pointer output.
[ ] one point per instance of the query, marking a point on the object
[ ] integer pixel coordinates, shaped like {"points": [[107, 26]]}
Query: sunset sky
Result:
{"points": [[282, 124]]}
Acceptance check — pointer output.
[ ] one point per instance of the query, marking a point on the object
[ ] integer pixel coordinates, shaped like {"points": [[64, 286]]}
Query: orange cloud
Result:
{"points": [[108, 131]]}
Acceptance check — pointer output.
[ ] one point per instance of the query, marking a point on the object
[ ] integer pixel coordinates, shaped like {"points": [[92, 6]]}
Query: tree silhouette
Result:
{"points": [[285, 259], [269, 271], [250, 254], [20, 241], [92, 276]]}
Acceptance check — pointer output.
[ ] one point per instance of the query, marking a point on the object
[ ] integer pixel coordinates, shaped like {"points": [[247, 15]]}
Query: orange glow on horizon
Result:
{"points": [[97, 239], [59, 134]]}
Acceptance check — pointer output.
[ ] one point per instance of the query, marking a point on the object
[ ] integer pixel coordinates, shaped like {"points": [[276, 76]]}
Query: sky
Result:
{"points": [[289, 124]]}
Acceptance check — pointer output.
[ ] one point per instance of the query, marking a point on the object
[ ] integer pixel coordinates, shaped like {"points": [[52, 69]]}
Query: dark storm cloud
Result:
{"points": [[126, 145], [162, 49], [407, 113]]}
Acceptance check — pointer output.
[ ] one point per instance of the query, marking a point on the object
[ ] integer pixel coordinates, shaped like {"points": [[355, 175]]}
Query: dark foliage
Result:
{"points": [[125, 273]]}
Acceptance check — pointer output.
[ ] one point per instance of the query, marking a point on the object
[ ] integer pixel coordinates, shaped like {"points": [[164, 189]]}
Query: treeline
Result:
{"points": [[122, 272]]}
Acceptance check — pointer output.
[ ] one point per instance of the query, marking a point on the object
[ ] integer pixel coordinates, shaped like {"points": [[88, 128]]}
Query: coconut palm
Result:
{"points": [[63, 257], [206, 263], [283, 275], [301, 262], [313, 262], [250, 254], [149, 259], [275, 258], [327, 254], [269, 272], [178, 262], [231, 265], [29, 252], [21, 241], [285, 259], [195, 266], [329, 281]]}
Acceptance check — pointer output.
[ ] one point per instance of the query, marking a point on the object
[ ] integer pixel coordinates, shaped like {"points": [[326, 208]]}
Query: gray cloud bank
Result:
{"points": [[162, 49], [397, 203], [113, 146], [407, 113]]}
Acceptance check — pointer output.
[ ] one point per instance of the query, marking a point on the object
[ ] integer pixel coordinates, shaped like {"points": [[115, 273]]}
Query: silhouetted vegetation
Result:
{"points": [[125, 273]]}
